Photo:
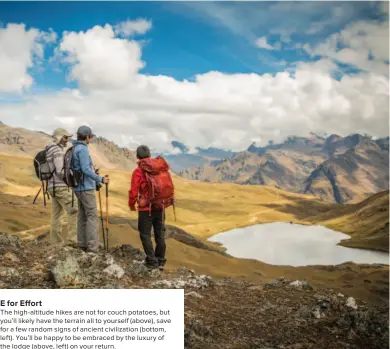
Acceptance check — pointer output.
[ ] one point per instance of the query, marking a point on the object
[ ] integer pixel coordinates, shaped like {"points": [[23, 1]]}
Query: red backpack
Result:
{"points": [[160, 184]]}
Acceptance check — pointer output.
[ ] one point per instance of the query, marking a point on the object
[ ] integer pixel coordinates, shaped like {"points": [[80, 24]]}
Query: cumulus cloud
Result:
{"points": [[213, 109], [362, 44], [99, 59], [20, 49], [129, 28]]}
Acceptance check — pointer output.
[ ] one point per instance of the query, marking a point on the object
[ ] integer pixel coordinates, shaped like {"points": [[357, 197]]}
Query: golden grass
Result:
{"points": [[204, 209]]}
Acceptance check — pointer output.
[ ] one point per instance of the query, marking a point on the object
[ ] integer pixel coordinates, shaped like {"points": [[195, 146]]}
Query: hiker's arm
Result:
{"points": [[58, 160], [133, 192], [85, 166], [58, 163]]}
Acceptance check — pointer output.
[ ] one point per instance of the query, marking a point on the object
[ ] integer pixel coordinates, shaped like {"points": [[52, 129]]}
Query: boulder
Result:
{"points": [[12, 257], [9, 240], [196, 332], [296, 284], [128, 251], [351, 303], [194, 294], [183, 271], [301, 285], [114, 270], [68, 273], [279, 282], [198, 282], [272, 283], [8, 272], [139, 269]]}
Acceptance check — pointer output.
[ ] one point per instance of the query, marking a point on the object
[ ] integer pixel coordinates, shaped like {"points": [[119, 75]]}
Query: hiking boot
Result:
{"points": [[151, 266]]}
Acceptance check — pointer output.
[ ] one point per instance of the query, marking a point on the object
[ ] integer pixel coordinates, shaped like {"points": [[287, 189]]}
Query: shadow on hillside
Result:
{"points": [[202, 206], [173, 232], [302, 209]]}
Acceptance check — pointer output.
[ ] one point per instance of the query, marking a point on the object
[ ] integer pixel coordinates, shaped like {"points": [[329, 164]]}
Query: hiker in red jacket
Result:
{"points": [[152, 191]]}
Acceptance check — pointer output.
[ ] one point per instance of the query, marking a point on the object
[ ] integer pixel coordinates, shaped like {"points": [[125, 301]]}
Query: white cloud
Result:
{"points": [[213, 109], [218, 110], [20, 49], [262, 43], [355, 44], [100, 59], [129, 28]]}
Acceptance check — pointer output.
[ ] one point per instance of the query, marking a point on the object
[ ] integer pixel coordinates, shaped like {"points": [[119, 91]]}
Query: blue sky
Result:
{"points": [[220, 74], [188, 38]]}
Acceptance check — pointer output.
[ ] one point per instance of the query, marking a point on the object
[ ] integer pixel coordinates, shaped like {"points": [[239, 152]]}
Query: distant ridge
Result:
{"points": [[335, 169]]}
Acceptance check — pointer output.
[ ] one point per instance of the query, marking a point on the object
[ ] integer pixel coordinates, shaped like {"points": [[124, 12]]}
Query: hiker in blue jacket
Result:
{"points": [[87, 230]]}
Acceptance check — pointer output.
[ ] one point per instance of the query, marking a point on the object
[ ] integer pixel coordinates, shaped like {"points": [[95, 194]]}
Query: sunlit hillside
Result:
{"points": [[203, 209]]}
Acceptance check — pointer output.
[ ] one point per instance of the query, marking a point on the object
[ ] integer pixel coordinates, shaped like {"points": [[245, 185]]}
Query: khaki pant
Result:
{"points": [[61, 206]]}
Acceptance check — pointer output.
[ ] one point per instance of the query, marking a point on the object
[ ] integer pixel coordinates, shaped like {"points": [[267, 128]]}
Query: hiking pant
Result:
{"points": [[61, 205], [145, 223], [87, 229]]}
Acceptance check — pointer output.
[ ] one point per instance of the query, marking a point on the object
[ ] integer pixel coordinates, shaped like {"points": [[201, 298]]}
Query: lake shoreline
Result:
{"points": [[324, 246]]}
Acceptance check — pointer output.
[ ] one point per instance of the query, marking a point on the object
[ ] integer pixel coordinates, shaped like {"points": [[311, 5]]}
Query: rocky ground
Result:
{"points": [[219, 313]]}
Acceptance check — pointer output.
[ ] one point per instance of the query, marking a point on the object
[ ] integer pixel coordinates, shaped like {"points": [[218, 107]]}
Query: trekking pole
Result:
{"points": [[101, 218], [44, 194], [106, 217], [36, 196]]}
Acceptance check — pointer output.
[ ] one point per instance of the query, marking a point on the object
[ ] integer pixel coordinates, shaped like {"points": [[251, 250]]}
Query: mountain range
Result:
{"points": [[183, 157], [23, 142], [334, 168]]}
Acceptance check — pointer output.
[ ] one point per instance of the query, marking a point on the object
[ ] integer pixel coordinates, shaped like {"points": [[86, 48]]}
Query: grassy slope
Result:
{"points": [[203, 209], [367, 222]]}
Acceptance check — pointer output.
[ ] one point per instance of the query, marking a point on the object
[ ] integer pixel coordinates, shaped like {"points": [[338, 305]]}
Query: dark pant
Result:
{"points": [[146, 221], [87, 226]]}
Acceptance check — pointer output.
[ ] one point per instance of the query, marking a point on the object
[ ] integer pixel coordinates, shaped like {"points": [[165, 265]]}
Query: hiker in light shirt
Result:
{"points": [[61, 195]]}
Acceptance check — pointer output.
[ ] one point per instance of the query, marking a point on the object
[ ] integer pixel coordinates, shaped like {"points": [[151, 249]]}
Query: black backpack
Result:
{"points": [[43, 172], [71, 177]]}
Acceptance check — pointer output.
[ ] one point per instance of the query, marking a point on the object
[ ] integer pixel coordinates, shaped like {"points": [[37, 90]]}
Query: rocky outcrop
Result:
{"points": [[219, 313], [68, 273]]}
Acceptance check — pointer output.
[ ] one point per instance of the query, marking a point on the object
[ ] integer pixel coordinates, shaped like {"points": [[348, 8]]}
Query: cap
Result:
{"points": [[85, 131], [61, 132], [143, 152]]}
